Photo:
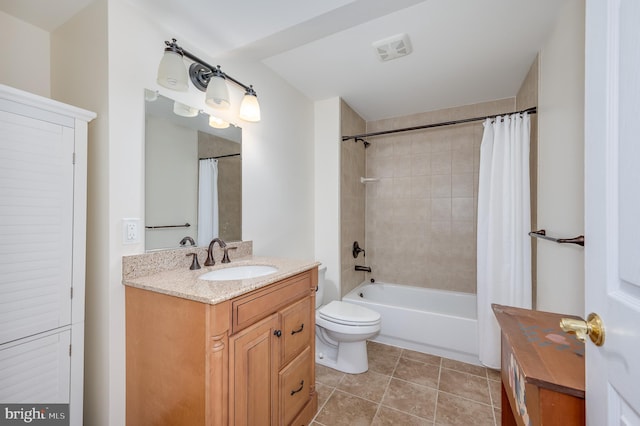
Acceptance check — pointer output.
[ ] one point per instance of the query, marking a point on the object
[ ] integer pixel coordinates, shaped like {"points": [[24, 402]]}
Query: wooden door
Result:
{"points": [[253, 382], [612, 209]]}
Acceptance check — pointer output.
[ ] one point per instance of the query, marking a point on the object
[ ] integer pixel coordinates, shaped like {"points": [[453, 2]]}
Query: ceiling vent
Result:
{"points": [[392, 47]]}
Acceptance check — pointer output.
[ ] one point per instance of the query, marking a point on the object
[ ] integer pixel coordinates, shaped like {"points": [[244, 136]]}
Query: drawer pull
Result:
{"points": [[277, 333], [298, 330], [293, 392]]}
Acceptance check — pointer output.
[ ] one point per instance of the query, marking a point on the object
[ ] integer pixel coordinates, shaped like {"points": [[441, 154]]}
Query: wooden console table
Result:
{"points": [[542, 369]]}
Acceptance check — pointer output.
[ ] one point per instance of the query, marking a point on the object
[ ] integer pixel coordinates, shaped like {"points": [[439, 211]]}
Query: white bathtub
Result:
{"points": [[438, 322]]}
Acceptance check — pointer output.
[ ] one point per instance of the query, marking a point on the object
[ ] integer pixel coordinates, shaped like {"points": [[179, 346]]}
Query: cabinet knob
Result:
{"points": [[277, 333]]}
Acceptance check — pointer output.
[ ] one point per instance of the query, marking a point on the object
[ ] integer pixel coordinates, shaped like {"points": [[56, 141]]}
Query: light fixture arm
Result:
{"points": [[200, 72]]}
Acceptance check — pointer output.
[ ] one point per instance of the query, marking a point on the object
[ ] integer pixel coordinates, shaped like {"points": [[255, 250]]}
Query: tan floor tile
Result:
{"points": [[411, 398], [465, 385], [493, 374], [324, 392], [369, 385], [495, 389], [464, 367], [345, 409], [328, 376], [381, 347], [382, 358], [456, 411], [419, 356], [417, 372], [389, 417]]}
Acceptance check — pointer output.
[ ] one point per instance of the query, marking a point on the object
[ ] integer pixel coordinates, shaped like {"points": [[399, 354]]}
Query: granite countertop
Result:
{"points": [[184, 282]]}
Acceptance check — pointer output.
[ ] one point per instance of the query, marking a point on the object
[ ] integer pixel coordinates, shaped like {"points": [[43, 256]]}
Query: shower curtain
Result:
{"points": [[207, 201], [504, 221]]}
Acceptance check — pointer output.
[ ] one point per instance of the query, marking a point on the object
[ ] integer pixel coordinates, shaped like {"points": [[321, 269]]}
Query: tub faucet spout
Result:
{"points": [[363, 268]]}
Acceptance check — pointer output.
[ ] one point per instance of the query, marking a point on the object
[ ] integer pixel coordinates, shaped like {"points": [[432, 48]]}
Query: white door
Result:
{"points": [[612, 209], [36, 222]]}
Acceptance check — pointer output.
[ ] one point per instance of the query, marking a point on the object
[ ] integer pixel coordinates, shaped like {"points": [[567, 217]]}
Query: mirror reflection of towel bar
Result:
{"points": [[186, 225], [579, 240]]}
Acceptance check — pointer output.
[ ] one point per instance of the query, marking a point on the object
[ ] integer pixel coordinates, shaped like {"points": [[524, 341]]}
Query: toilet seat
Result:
{"points": [[348, 314]]}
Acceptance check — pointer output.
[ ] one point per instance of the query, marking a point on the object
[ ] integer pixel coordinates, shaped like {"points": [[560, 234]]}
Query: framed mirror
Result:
{"points": [[193, 176]]}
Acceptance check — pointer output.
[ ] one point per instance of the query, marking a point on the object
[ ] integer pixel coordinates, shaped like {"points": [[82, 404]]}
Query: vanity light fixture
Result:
{"points": [[172, 74], [217, 123], [184, 110]]}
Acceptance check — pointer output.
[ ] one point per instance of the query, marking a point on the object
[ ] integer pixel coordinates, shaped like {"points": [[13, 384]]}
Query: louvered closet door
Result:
{"points": [[36, 224], [36, 369]]}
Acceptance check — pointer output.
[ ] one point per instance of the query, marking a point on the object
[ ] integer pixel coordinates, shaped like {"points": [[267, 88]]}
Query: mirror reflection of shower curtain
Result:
{"points": [[504, 222], [208, 216]]}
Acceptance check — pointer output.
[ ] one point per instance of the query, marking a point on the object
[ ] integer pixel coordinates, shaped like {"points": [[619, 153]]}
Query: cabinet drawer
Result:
{"points": [[296, 329], [295, 386], [305, 417], [252, 307]]}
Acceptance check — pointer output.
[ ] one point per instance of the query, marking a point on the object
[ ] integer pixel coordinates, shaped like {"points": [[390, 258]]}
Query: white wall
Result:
{"points": [[25, 56], [327, 192], [560, 164], [277, 178]]}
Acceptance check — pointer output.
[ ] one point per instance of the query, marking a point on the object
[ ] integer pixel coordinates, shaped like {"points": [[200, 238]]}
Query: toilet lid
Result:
{"points": [[348, 313]]}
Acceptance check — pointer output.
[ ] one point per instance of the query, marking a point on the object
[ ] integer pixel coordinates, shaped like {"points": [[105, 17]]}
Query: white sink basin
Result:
{"points": [[241, 272]]}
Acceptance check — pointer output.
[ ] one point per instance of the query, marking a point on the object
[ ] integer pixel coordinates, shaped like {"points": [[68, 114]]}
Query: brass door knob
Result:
{"points": [[592, 327]]}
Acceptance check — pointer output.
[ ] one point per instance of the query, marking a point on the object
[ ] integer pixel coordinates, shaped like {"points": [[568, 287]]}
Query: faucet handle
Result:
{"points": [[225, 256], [210, 260], [194, 262]]}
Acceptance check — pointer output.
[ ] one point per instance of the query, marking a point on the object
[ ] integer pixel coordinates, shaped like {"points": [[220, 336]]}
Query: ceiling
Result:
{"points": [[464, 51]]}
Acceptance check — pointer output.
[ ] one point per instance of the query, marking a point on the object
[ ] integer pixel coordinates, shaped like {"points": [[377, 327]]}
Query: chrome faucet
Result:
{"points": [[186, 240], [210, 260]]}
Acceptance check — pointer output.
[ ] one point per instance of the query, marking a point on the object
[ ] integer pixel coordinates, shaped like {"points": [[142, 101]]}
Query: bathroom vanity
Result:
{"points": [[233, 352]]}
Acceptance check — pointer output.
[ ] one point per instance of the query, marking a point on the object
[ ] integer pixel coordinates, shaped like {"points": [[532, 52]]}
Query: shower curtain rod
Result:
{"points": [[531, 110], [220, 156]]}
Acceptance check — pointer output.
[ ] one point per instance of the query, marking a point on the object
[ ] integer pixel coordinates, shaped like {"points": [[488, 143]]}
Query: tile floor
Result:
{"points": [[405, 388]]}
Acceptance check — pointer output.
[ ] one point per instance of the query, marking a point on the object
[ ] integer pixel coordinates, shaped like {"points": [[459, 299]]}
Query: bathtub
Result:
{"points": [[437, 322]]}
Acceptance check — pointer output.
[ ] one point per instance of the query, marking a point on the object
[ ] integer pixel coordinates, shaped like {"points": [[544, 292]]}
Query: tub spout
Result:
{"points": [[363, 268]]}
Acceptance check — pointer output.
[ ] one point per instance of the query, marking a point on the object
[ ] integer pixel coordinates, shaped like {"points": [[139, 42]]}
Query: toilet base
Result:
{"points": [[348, 357]]}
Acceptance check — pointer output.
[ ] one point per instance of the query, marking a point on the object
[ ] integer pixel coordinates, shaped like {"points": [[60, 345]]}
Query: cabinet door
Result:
{"points": [[36, 369], [36, 213], [296, 329], [295, 386], [254, 359]]}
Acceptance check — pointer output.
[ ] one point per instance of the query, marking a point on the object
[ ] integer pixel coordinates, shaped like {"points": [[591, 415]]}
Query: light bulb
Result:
{"points": [[250, 108]]}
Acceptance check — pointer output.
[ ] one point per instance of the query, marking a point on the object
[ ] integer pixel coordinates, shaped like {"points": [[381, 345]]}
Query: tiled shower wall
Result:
{"points": [[352, 199], [421, 214], [418, 222]]}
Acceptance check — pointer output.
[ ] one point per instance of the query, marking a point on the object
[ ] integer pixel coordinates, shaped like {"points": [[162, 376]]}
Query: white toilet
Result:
{"points": [[342, 330]]}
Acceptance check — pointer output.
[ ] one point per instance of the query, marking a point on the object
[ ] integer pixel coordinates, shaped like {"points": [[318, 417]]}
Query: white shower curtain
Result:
{"points": [[504, 221], [207, 201]]}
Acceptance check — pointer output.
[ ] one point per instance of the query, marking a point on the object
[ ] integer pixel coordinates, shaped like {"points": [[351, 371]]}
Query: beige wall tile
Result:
{"points": [[420, 217], [462, 185], [441, 186]]}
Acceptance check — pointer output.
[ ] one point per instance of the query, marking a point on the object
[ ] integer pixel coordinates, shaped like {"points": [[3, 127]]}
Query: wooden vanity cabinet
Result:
{"points": [[543, 375], [245, 361]]}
